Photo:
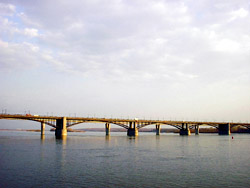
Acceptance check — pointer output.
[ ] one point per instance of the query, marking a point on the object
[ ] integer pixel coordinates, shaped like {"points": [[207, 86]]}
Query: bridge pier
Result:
{"points": [[158, 129], [42, 128], [132, 130], [61, 128], [224, 129], [197, 129], [107, 128], [185, 129]]}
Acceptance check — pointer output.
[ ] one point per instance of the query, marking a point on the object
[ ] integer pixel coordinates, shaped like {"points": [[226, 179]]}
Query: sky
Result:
{"points": [[161, 59]]}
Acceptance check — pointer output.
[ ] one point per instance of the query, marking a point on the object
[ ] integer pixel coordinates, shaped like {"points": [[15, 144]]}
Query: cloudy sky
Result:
{"points": [[148, 59]]}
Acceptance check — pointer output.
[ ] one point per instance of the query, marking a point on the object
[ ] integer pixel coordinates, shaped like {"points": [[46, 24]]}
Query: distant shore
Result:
{"points": [[29, 130], [70, 130], [38, 130]]}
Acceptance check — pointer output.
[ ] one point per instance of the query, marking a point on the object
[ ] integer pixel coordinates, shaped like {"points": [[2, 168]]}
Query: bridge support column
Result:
{"points": [[224, 129], [197, 129], [61, 129], [107, 128], [158, 129], [42, 128], [185, 129], [132, 130]]}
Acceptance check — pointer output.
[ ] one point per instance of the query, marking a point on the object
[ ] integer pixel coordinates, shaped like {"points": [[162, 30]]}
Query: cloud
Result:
{"points": [[18, 56], [7, 9], [153, 57], [240, 13], [156, 40], [31, 32]]}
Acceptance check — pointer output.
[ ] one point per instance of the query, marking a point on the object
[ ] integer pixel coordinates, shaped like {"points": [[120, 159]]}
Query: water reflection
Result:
{"points": [[133, 140], [60, 155], [107, 138], [157, 141], [61, 137], [42, 138], [132, 137], [62, 140]]}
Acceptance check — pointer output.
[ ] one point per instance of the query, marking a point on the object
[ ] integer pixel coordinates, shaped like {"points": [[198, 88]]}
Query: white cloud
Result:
{"points": [[227, 45], [7, 27], [7, 9], [31, 32], [240, 13], [18, 56], [27, 20], [152, 38]]}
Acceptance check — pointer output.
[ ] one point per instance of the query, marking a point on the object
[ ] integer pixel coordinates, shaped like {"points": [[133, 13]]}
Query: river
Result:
{"points": [[91, 159]]}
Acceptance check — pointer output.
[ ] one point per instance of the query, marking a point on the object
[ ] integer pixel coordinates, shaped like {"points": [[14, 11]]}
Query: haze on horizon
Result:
{"points": [[148, 59]]}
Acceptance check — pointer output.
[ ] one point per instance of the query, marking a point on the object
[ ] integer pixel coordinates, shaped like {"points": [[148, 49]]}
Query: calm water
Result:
{"points": [[93, 160]]}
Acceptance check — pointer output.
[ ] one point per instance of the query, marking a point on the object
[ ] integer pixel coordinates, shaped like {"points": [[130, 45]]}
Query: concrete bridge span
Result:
{"points": [[132, 125]]}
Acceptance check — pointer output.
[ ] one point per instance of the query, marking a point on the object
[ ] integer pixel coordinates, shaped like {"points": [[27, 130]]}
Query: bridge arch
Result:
{"points": [[115, 123]]}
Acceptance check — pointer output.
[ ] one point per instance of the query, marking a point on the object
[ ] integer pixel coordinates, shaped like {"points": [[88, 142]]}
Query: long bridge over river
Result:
{"points": [[132, 125]]}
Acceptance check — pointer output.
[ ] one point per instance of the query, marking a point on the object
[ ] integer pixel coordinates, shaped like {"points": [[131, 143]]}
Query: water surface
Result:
{"points": [[94, 160]]}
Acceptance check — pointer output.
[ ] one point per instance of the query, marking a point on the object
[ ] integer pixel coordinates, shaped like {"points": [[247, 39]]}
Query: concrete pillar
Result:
{"points": [[61, 128], [42, 128], [158, 129], [132, 130], [185, 129], [130, 125], [107, 128], [197, 129], [224, 129]]}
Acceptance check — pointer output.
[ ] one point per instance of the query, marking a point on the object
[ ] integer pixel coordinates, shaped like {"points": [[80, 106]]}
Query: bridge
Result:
{"points": [[132, 125]]}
